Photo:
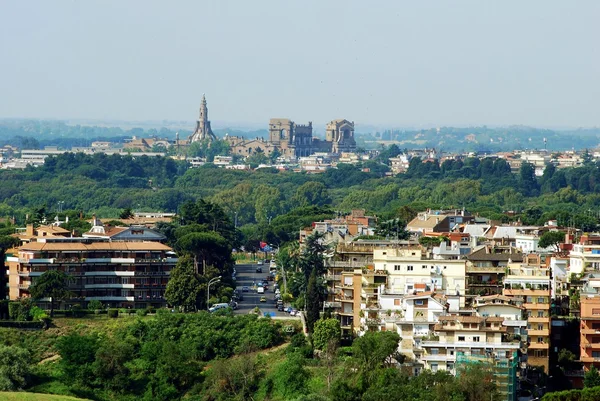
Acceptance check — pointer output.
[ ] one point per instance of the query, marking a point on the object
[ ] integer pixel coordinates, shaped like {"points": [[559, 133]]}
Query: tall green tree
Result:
{"points": [[184, 290], [552, 238], [209, 248], [312, 301], [52, 284]]}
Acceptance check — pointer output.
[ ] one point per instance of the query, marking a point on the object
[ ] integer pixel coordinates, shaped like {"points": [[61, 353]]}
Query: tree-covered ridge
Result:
{"points": [[253, 199]]}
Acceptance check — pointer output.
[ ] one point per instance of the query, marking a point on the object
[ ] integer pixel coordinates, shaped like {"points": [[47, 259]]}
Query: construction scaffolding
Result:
{"points": [[504, 370]]}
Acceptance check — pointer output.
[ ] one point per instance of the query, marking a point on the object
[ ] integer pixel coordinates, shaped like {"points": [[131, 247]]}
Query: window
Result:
{"points": [[451, 352], [435, 351], [529, 327], [384, 253], [419, 302], [529, 300], [596, 311], [541, 300], [461, 338], [476, 339], [540, 327], [409, 268], [595, 354], [540, 313], [434, 367], [397, 268], [540, 340], [424, 267], [450, 366]]}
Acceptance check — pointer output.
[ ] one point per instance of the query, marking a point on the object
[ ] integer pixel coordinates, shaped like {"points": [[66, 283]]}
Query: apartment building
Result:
{"points": [[348, 294], [585, 255], [590, 331], [486, 267], [529, 286], [468, 335], [413, 317], [411, 270], [120, 274]]}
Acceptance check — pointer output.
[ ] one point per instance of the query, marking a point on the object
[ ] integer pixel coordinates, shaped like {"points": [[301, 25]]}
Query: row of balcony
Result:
{"points": [[91, 260]]}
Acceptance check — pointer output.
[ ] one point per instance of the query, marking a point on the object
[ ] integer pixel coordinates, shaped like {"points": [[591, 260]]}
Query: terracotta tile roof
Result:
{"points": [[96, 246]]}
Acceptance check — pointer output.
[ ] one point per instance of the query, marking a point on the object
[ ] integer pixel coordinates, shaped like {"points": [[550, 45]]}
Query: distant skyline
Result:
{"points": [[385, 64]]}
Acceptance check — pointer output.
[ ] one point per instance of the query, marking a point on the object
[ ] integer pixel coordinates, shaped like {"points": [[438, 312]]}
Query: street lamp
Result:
{"points": [[212, 281]]}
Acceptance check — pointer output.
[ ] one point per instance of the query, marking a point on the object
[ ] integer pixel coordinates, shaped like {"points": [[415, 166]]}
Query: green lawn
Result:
{"points": [[19, 396]]}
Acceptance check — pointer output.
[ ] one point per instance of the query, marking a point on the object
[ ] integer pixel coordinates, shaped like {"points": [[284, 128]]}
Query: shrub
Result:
{"points": [[20, 310], [95, 305], [14, 368], [150, 309], [141, 312], [113, 313]]}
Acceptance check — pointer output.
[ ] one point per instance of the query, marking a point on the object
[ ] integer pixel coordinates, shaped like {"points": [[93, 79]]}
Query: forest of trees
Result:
{"points": [[108, 184]]}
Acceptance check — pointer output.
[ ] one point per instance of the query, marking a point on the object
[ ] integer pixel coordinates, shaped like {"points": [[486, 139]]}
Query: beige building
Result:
{"points": [[341, 135], [528, 284]]}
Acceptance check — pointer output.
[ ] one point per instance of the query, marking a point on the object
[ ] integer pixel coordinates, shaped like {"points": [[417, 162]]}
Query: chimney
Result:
{"points": [[29, 230]]}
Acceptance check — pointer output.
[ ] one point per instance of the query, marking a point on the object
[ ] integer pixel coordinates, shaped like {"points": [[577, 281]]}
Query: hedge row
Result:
{"points": [[22, 325], [587, 394]]}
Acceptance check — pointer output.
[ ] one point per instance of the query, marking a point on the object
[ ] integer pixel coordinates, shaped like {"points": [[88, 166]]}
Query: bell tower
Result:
{"points": [[203, 130]]}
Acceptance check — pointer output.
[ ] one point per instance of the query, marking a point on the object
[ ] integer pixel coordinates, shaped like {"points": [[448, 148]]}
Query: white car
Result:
{"points": [[277, 291]]}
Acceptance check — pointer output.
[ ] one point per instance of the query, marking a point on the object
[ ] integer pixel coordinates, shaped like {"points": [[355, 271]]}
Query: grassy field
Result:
{"points": [[19, 396]]}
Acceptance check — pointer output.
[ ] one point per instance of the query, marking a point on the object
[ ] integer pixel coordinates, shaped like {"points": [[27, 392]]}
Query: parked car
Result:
{"points": [[288, 309], [259, 269], [245, 288], [233, 305], [293, 312], [263, 299], [280, 307], [277, 291], [216, 307]]}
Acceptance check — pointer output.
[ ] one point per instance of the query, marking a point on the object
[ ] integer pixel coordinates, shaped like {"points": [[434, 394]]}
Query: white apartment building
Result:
{"points": [[410, 271], [469, 335]]}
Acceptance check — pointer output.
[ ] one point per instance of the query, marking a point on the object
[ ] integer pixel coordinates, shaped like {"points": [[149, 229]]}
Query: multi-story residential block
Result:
{"points": [[486, 267], [585, 255], [590, 331], [348, 294], [468, 335], [411, 270], [121, 274], [529, 285], [413, 317]]}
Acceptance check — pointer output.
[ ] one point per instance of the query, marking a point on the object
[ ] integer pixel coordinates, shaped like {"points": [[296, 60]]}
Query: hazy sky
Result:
{"points": [[400, 63]]}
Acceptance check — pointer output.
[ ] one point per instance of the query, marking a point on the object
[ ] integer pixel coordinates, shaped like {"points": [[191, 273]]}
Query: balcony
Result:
{"points": [[111, 298], [542, 333], [592, 346], [130, 286], [537, 319], [590, 331], [465, 344], [346, 313], [333, 277], [538, 346], [541, 306], [375, 273], [439, 357], [526, 292]]}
